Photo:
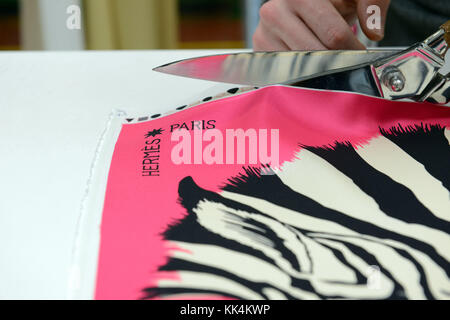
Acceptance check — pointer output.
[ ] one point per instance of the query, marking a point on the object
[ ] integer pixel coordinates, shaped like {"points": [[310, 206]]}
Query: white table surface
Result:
{"points": [[54, 107]]}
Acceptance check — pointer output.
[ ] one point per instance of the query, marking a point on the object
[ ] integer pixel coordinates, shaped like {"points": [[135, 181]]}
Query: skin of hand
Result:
{"points": [[315, 24]]}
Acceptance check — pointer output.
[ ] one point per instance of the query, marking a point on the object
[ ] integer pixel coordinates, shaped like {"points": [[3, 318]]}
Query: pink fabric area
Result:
{"points": [[137, 208]]}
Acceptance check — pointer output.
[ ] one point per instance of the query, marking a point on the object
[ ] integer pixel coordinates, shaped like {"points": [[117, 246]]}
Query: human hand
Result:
{"points": [[315, 24]]}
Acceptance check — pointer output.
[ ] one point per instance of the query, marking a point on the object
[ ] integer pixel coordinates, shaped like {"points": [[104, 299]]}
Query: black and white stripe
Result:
{"points": [[314, 229]]}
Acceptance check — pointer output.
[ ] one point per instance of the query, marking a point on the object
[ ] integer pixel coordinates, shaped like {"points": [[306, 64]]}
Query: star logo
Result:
{"points": [[154, 133]]}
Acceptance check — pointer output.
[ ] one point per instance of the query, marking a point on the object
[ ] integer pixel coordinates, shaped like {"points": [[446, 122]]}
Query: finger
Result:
{"points": [[372, 17], [347, 9], [289, 28], [326, 23], [266, 40]]}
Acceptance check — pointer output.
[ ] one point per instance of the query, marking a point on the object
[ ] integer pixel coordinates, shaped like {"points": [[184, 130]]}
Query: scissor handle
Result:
{"points": [[446, 28], [414, 72], [439, 90]]}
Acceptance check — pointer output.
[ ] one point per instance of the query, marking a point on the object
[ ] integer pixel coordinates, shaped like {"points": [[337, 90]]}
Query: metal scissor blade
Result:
{"points": [[360, 80], [266, 68]]}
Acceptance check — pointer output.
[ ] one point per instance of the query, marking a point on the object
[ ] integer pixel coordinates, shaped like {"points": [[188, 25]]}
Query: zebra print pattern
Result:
{"points": [[314, 229]]}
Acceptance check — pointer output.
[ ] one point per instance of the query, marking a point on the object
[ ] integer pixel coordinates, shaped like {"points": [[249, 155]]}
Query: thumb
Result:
{"points": [[372, 17]]}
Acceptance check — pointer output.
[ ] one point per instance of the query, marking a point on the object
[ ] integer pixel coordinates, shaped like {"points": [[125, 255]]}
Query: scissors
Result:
{"points": [[412, 73]]}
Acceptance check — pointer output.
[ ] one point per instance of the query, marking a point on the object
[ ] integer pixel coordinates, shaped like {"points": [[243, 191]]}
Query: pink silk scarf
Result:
{"points": [[338, 195]]}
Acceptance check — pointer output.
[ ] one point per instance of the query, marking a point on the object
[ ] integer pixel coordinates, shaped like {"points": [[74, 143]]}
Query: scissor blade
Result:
{"points": [[265, 68], [360, 80]]}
